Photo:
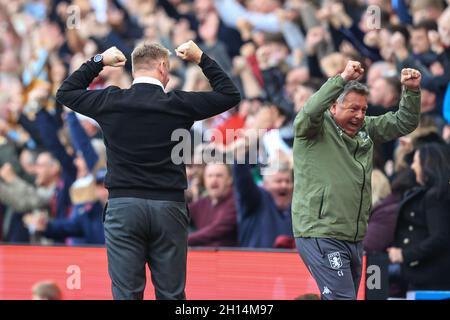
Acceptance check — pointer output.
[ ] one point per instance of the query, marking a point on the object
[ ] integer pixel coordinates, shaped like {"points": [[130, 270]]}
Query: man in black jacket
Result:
{"points": [[146, 218]]}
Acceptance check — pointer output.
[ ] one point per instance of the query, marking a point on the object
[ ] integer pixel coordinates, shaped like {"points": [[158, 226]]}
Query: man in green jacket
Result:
{"points": [[333, 150]]}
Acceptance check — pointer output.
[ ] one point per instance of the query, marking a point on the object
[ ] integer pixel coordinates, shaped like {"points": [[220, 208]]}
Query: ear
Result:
{"points": [[333, 108], [161, 67]]}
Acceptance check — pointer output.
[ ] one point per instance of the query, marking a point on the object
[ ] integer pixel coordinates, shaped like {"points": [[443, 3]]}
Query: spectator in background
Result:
{"points": [[422, 240], [46, 290], [22, 197], [213, 217], [384, 96], [383, 217], [264, 213], [85, 221]]}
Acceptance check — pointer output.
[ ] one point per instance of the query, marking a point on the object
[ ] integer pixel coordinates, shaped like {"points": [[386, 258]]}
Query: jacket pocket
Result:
{"points": [[321, 205]]}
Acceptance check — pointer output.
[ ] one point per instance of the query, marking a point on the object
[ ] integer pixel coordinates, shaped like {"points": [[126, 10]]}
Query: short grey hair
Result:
{"points": [[353, 86], [146, 54]]}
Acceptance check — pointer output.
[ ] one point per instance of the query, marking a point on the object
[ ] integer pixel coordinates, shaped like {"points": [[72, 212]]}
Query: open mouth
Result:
{"points": [[355, 125], [214, 187], [282, 193]]}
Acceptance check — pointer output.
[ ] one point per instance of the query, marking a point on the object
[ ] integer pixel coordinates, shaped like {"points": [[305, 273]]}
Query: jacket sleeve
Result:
{"points": [[309, 120], [73, 92], [81, 141], [438, 240], [22, 196], [396, 124], [224, 96], [247, 193], [63, 228]]}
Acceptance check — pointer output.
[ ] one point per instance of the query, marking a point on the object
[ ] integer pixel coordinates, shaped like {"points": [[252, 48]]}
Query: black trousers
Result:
{"points": [[336, 265], [139, 232]]}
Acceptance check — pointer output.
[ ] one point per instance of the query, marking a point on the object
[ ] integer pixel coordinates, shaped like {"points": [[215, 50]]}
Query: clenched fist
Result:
{"points": [[410, 78], [114, 57], [353, 70], [189, 51]]}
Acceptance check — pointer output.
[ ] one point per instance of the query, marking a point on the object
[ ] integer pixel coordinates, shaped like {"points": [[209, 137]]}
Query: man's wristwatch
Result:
{"points": [[98, 58]]}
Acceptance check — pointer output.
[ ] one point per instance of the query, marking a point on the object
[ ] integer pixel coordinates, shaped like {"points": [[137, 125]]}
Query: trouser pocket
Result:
{"points": [[104, 212]]}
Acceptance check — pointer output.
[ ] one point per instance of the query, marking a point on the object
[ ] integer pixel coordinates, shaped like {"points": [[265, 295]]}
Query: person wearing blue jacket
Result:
{"points": [[264, 213]]}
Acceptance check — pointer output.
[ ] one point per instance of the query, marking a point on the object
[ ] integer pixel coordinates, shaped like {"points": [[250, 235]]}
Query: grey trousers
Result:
{"points": [[336, 265], [139, 232]]}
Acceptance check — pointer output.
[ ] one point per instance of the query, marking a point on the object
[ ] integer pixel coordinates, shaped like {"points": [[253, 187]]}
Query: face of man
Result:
{"points": [[377, 91], [419, 41], [294, 79], [218, 181], [280, 187], [46, 170], [350, 113]]}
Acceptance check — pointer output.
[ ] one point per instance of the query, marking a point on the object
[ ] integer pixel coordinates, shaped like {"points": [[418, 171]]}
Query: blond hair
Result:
{"points": [[146, 55]]}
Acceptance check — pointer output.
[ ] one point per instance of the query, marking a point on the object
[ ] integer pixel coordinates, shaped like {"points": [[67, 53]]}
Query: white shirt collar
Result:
{"points": [[150, 80]]}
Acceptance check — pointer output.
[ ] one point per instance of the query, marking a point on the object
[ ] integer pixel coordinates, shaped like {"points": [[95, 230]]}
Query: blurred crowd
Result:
{"points": [[278, 52]]}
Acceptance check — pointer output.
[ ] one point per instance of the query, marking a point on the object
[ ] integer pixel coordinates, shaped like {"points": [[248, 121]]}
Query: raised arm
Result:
{"points": [[81, 141], [393, 125], [224, 96], [20, 195], [309, 120], [247, 193], [73, 92]]}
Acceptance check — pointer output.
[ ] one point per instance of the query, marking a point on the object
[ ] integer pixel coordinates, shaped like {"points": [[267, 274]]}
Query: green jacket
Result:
{"points": [[332, 171]]}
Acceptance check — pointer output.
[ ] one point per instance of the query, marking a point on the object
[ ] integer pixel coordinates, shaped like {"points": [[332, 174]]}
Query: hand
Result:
{"points": [[239, 64], [245, 28], [189, 51], [7, 173], [352, 71], [395, 255], [314, 37], [410, 78], [36, 221], [114, 57]]}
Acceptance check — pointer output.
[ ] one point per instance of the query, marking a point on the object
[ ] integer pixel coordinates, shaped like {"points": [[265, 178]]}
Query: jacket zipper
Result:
{"points": [[362, 190]]}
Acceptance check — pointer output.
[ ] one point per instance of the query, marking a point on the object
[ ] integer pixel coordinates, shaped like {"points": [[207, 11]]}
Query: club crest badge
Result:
{"points": [[335, 260]]}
